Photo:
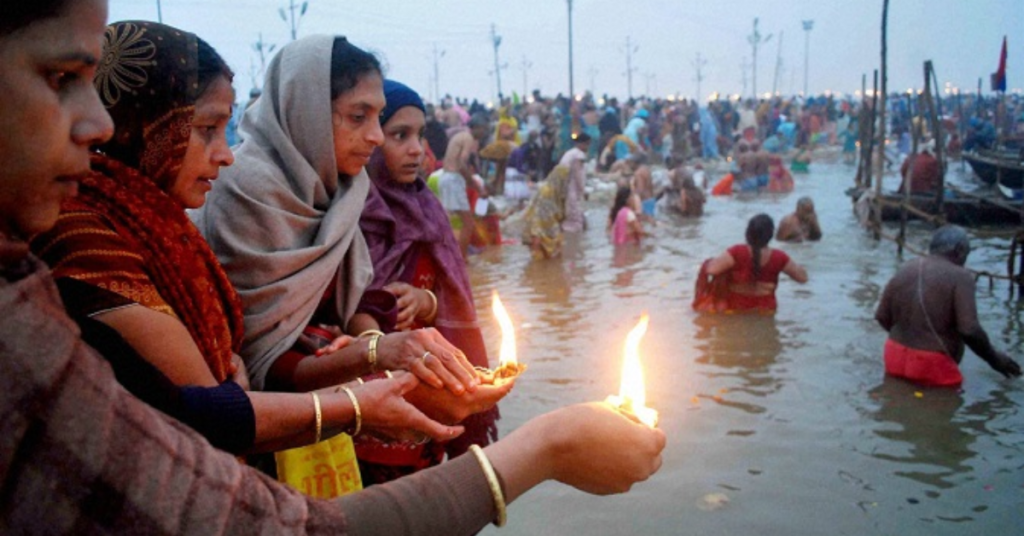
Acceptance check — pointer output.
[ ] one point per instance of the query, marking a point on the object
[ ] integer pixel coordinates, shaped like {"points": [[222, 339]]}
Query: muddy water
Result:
{"points": [[776, 425]]}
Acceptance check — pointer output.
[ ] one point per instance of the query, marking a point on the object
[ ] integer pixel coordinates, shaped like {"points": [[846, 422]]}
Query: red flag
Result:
{"points": [[999, 77]]}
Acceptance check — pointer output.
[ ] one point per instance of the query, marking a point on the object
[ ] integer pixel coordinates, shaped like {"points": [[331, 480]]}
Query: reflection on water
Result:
{"points": [[924, 438], [784, 424], [625, 263], [745, 348]]}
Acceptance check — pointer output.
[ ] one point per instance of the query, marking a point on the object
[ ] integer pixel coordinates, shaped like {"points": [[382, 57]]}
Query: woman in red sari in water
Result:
{"points": [[752, 284], [416, 257]]}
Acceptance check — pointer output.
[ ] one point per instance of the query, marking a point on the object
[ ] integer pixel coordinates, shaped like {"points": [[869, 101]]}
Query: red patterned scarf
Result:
{"points": [[179, 262]]}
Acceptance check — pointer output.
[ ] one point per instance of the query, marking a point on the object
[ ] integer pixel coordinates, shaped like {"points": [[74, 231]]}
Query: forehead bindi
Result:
{"points": [[217, 101]]}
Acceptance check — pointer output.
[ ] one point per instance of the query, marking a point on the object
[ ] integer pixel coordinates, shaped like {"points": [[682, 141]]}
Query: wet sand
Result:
{"points": [[777, 425]]}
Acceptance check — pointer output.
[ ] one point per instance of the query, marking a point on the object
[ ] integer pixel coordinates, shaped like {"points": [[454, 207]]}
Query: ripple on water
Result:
{"points": [[792, 408]]}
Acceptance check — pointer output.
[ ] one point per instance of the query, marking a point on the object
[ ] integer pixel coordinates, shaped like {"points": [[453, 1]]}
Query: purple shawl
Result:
{"points": [[401, 221]]}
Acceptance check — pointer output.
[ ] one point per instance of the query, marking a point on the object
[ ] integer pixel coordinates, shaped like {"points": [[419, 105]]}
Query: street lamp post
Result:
{"points": [[572, 92], [808, 25], [755, 39], [496, 40]]}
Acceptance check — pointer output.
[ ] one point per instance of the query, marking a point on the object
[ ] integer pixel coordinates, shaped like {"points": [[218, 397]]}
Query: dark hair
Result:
{"points": [[621, 198], [950, 241], [479, 120], [18, 15], [349, 63], [760, 230], [211, 65]]}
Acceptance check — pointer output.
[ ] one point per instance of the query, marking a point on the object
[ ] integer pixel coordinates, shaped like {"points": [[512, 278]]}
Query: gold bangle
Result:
{"points": [[433, 298], [371, 332], [355, 406], [492, 482], [371, 352], [319, 417]]}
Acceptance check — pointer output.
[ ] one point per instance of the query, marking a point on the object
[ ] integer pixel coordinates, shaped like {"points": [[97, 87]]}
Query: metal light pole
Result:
{"points": [[743, 73], [778, 65], [630, 49], [496, 39], [159, 13], [437, 84], [290, 17], [525, 66], [808, 25], [699, 64], [755, 39], [572, 92]]}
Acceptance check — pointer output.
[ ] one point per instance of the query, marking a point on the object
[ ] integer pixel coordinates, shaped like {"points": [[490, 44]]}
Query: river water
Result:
{"points": [[776, 425]]}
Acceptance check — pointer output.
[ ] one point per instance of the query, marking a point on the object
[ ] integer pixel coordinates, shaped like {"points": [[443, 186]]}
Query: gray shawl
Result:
{"points": [[281, 220]]}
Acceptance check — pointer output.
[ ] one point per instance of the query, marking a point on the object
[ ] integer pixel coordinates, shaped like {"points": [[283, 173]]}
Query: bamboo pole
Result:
{"points": [[868, 151], [858, 180], [907, 182], [960, 128], [933, 119], [881, 115], [939, 219]]}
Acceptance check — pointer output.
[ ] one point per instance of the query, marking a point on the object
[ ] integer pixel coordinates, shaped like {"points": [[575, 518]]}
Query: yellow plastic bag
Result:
{"points": [[325, 470]]}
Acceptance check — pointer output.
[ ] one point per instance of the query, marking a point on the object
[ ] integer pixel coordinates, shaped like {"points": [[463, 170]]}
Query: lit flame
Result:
{"points": [[508, 332], [632, 393]]}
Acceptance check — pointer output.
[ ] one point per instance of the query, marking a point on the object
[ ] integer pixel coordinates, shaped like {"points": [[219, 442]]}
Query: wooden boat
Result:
{"points": [[1011, 193], [994, 167], [958, 209]]}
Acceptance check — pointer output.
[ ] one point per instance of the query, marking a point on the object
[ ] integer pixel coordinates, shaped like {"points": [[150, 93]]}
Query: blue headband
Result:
{"points": [[398, 96]]}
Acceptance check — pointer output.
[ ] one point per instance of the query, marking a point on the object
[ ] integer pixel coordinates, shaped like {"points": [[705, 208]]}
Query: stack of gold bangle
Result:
{"points": [[371, 349], [492, 482], [355, 407]]}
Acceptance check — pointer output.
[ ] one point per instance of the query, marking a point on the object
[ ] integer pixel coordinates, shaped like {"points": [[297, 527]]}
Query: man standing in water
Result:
{"points": [[929, 310], [458, 176], [801, 225]]}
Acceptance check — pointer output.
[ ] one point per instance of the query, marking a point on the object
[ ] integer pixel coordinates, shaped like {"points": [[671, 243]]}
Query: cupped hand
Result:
{"points": [[386, 412], [598, 450], [428, 355], [443, 406]]}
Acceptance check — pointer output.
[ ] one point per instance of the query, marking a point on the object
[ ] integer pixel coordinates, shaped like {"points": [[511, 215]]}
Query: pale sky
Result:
{"points": [[962, 37]]}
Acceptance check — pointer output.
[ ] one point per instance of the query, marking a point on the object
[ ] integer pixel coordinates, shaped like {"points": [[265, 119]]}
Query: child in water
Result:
{"points": [[623, 220]]}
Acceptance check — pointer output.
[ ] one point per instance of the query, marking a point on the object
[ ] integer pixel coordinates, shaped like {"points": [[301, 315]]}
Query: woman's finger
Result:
{"points": [[439, 363], [425, 373], [449, 349], [434, 429]]}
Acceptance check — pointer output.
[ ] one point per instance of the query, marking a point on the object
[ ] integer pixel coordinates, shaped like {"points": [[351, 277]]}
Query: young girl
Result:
{"points": [[416, 257], [623, 222]]}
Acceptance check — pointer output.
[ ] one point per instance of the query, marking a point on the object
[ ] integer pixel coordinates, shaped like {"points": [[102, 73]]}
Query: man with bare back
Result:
{"points": [[458, 175], [800, 226], [928, 308]]}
